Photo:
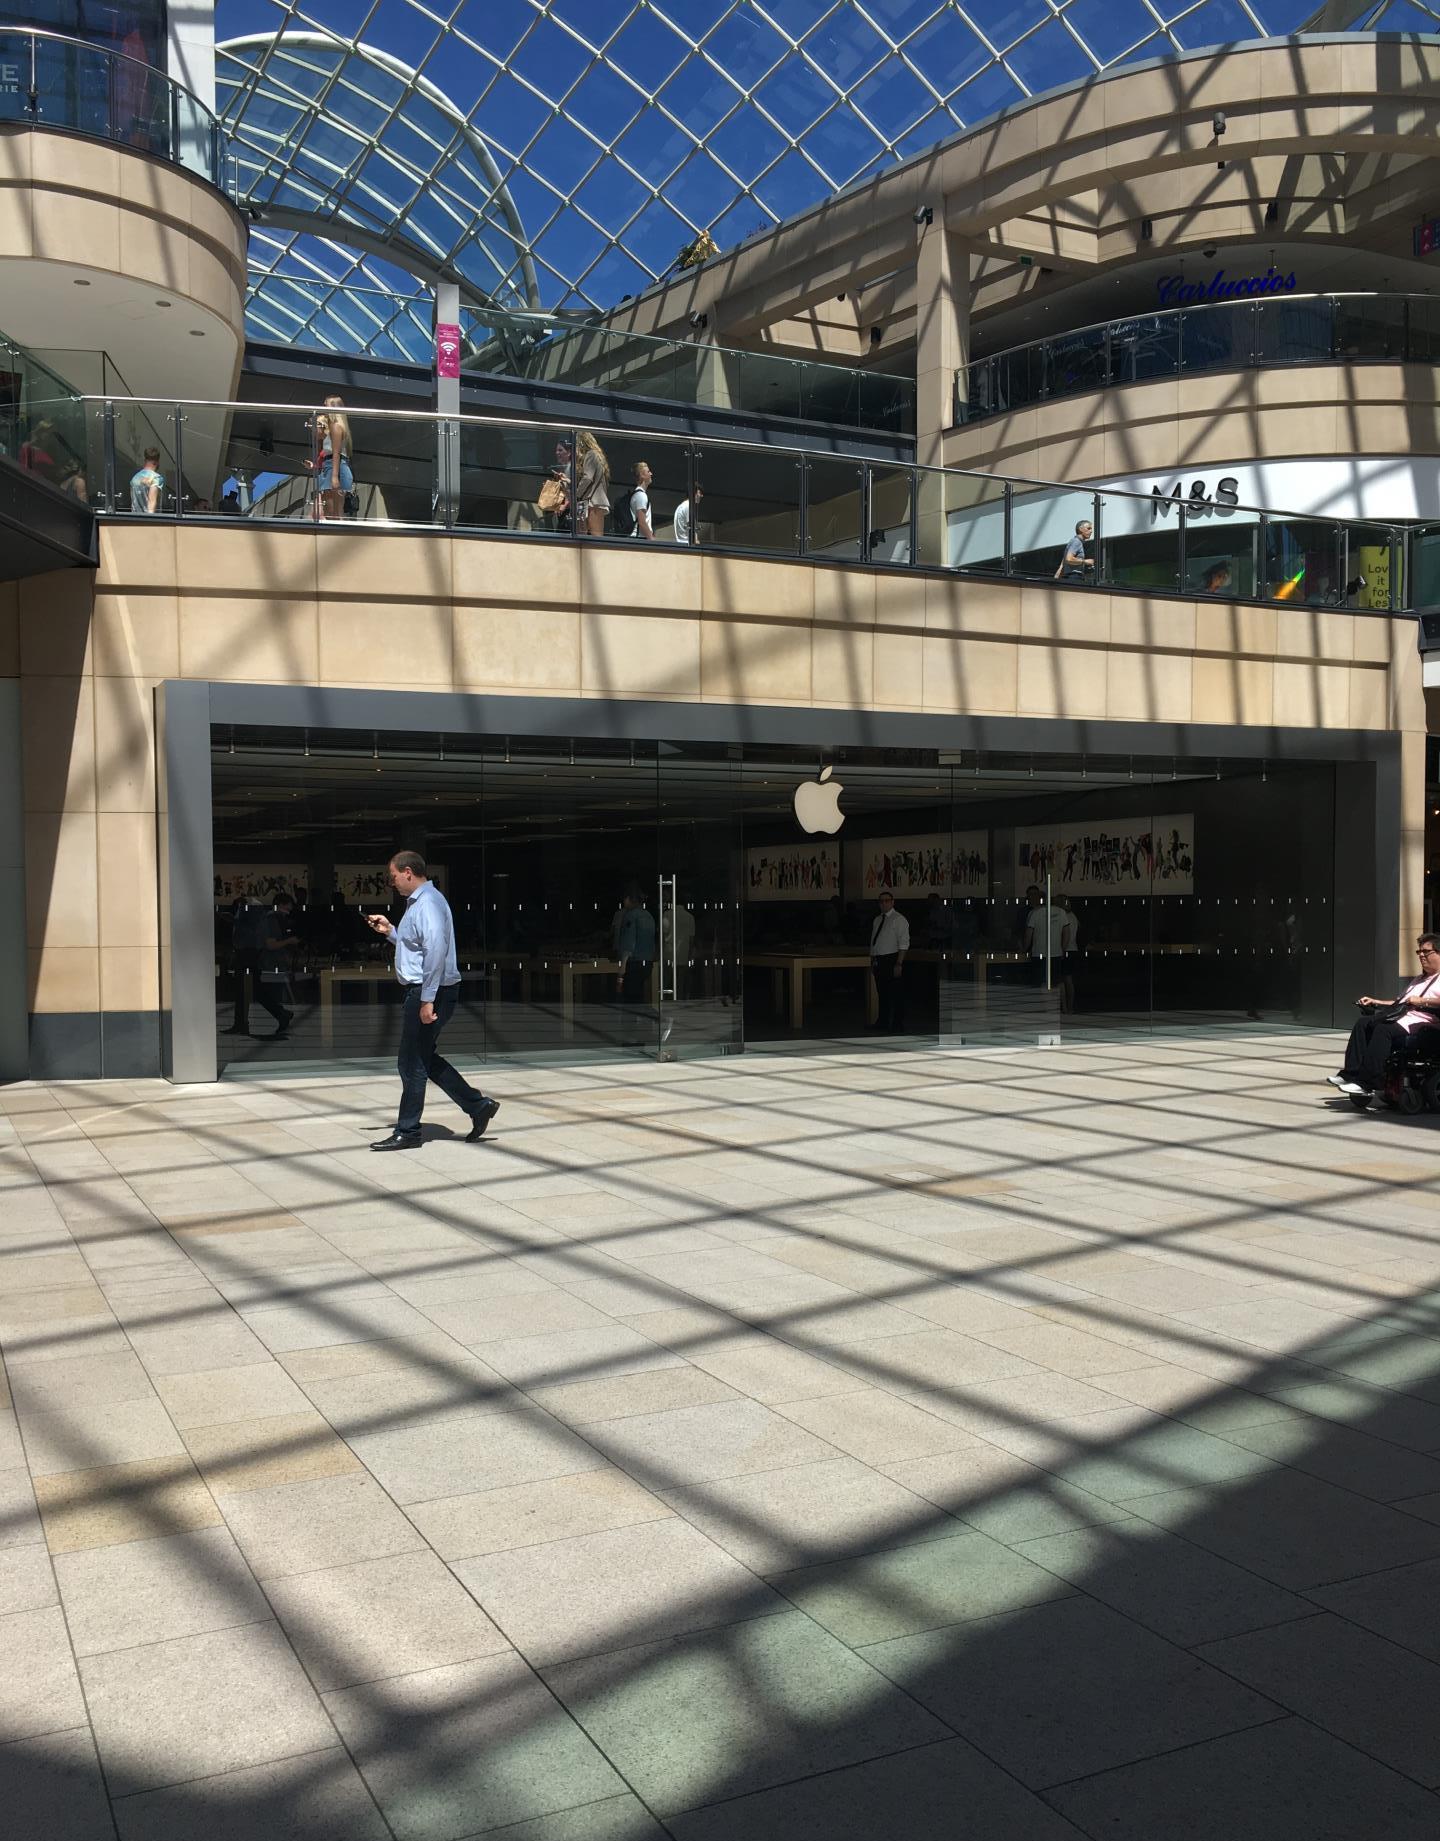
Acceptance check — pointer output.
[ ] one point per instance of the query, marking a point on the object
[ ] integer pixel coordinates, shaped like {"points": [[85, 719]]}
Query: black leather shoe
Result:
{"points": [[480, 1118], [398, 1141]]}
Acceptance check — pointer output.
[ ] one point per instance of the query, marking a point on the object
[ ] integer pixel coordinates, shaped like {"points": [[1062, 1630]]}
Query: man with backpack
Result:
{"points": [[632, 514]]}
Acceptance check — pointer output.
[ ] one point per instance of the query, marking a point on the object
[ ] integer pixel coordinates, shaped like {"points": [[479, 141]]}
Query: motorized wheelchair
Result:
{"points": [[1412, 1077]]}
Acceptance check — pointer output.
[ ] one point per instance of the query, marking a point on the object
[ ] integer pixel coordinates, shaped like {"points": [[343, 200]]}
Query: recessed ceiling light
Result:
{"points": [[79, 283], [196, 335], [164, 303]]}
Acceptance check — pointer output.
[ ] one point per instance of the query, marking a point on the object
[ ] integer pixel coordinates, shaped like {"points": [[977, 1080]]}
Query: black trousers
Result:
{"points": [[419, 1059], [248, 974], [634, 996], [889, 992], [1373, 1041]]}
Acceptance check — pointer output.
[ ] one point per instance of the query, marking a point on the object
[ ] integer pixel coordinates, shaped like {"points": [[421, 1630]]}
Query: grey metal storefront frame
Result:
{"points": [[1367, 805]]}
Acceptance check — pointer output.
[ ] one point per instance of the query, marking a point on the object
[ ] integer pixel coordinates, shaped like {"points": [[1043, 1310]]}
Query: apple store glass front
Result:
{"points": [[1042, 896]]}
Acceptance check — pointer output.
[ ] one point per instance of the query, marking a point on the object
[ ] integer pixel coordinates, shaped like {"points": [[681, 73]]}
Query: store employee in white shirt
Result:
{"points": [[889, 943]]}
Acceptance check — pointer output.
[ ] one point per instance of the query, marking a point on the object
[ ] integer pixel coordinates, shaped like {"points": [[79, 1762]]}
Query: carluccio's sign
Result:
{"points": [[1176, 291]]}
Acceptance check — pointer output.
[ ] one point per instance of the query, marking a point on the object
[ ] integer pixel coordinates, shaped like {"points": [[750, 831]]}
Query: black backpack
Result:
{"points": [[622, 516]]}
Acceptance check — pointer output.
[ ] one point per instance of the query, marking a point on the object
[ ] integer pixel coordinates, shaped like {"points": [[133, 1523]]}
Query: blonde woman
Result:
{"points": [[333, 474], [592, 485]]}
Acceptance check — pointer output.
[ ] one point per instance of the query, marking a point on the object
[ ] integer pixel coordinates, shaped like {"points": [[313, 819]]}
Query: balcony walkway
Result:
{"points": [[1042, 1446]]}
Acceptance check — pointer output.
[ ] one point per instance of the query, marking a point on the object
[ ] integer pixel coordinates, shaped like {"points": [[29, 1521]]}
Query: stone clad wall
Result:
{"points": [[358, 608]]}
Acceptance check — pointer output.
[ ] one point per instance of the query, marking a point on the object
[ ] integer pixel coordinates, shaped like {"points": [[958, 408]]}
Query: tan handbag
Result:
{"points": [[553, 496]]}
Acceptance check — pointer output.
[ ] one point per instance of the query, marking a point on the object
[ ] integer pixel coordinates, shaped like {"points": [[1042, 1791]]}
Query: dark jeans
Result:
{"points": [[1373, 1041], [889, 992], [634, 990], [248, 974], [418, 1060]]}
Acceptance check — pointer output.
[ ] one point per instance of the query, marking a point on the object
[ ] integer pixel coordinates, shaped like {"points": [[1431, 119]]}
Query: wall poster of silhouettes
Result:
{"points": [[943, 863], [256, 881], [1116, 856], [793, 872], [367, 883]]}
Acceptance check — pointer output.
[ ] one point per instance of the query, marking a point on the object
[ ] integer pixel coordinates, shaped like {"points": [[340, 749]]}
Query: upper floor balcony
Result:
{"points": [[1269, 332], [50, 80]]}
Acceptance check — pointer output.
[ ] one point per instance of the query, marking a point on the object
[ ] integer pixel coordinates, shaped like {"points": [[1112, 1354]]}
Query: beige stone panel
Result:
{"points": [[900, 600], [636, 655], [1148, 687], [249, 561], [1385, 428], [1233, 690], [142, 555], [410, 567], [1369, 698], [1235, 627], [61, 896], [17, 197], [125, 744], [1407, 700], [517, 648], [1372, 637], [842, 665], [73, 228], [516, 574], [378, 642], [129, 978], [264, 642], [1314, 632], [1076, 614], [9, 630], [1140, 447], [754, 662], [57, 727], [1311, 695], [136, 636], [970, 674], [63, 979], [1062, 681], [639, 577], [846, 597], [736, 586], [55, 612], [158, 189], [956, 604], [154, 251], [128, 879], [74, 163], [1136, 620], [212, 283], [899, 670]]}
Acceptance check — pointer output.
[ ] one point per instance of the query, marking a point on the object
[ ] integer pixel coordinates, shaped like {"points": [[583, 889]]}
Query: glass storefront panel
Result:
{"points": [[751, 499], [959, 521], [835, 510], [1045, 895]]}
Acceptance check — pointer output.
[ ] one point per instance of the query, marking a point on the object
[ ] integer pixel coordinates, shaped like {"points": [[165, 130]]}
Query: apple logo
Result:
{"points": [[817, 804]]}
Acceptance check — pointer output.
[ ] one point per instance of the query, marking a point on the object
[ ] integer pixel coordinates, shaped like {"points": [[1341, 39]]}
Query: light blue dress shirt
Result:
{"points": [[424, 943]]}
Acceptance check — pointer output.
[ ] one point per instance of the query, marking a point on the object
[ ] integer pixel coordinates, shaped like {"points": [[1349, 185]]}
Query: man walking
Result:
{"points": [[635, 950], [889, 943], [425, 964]]}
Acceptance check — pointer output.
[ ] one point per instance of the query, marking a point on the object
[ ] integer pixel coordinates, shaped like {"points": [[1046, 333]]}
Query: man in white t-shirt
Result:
{"points": [[640, 520], [889, 943], [1046, 936], [1376, 1037], [684, 517]]}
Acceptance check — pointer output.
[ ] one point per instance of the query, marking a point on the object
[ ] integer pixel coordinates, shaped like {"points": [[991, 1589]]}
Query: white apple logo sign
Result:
{"points": [[817, 804]]}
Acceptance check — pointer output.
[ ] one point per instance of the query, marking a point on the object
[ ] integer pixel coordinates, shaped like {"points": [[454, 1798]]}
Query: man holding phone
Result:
{"points": [[425, 964]]}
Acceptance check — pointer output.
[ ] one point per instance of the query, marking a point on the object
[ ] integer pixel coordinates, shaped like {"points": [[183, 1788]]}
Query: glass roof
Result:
{"points": [[559, 154]]}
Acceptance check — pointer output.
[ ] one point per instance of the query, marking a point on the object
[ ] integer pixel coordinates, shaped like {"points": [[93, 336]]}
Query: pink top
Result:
{"points": [[1421, 1019]]}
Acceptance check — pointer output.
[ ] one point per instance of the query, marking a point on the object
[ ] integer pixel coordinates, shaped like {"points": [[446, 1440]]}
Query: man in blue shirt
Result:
{"points": [[635, 949], [425, 964]]}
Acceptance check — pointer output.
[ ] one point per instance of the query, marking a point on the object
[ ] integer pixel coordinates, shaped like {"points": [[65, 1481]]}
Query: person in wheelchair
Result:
{"points": [[1410, 1021]]}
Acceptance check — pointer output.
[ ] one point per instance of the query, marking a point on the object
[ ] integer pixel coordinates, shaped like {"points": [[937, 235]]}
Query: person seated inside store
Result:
{"points": [[1386, 1024]]}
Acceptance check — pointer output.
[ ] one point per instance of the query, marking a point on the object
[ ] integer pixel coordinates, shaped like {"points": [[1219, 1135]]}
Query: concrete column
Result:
{"points": [[942, 298]]}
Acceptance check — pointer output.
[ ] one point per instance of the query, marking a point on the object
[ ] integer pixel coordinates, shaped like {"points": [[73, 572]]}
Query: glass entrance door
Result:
{"points": [[698, 900]]}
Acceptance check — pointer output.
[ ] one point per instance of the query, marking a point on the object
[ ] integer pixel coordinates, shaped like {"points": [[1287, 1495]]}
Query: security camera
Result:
{"points": [[699, 321], [1217, 122], [1209, 253], [923, 214]]}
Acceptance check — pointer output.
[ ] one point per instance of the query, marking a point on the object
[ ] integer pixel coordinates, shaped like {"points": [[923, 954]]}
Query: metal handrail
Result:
{"points": [[657, 437]]}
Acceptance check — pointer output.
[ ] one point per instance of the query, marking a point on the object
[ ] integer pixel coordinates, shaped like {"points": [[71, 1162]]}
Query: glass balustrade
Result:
{"points": [[48, 80], [336, 466], [1225, 336]]}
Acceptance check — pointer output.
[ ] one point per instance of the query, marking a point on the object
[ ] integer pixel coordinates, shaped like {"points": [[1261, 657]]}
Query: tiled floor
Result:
{"points": [[1008, 1446]]}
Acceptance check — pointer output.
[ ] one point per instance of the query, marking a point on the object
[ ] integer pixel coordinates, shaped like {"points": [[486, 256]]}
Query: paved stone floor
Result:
{"points": [[1008, 1447]]}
